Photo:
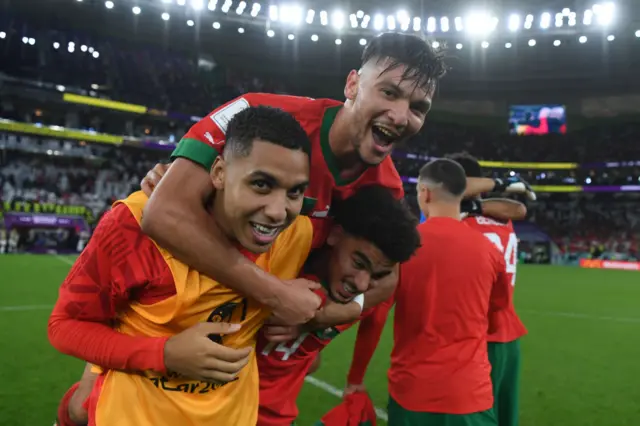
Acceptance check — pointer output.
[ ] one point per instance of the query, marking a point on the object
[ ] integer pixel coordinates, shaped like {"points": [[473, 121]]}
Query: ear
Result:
{"points": [[217, 173], [335, 235], [351, 87]]}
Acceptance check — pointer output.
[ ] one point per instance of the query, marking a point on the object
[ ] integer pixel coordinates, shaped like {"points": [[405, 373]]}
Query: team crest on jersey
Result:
{"points": [[224, 115]]}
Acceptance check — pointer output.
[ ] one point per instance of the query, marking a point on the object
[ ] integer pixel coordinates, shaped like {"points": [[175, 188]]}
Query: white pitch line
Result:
{"points": [[576, 315], [382, 414], [64, 260], [25, 308]]}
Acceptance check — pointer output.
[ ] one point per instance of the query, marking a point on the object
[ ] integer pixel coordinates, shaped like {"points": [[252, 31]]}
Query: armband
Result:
{"points": [[359, 299]]}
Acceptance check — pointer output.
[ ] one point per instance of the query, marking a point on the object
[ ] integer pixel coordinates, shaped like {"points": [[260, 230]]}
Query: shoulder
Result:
{"points": [[298, 233], [291, 104]]}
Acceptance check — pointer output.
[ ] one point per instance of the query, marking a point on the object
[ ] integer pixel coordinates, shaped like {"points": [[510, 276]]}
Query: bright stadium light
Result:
{"points": [[391, 23], [60, 88], [417, 24], [56, 45], [4, 35], [444, 24], [314, 37], [337, 19], [403, 19], [32, 41], [136, 10], [588, 17], [514, 22], [291, 36], [226, 6], [213, 4], [638, 33], [108, 4], [435, 44], [338, 42], [273, 12], [291, 14], [310, 15], [241, 7], [353, 20], [241, 30], [96, 54], [559, 20], [25, 40], [582, 39], [532, 43], [528, 22], [572, 19], [216, 25], [360, 14], [458, 23], [480, 23], [605, 13], [197, 4], [378, 22], [190, 23], [365, 21], [507, 45], [71, 48], [83, 48], [324, 18], [165, 16], [270, 33], [255, 9], [459, 46], [611, 37], [557, 43], [485, 44], [431, 24], [363, 42], [545, 20]]}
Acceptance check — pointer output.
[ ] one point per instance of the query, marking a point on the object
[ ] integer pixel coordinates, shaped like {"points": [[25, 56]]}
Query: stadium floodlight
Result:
{"points": [[60, 88], [587, 181], [84, 48], [588, 17], [181, 2], [213, 4], [582, 39], [545, 20], [314, 37], [255, 9], [435, 44], [360, 14], [324, 18], [604, 13], [485, 44], [96, 55], [559, 19], [4, 35], [165, 16], [557, 43], [337, 20], [32, 41], [532, 43], [241, 30], [378, 22], [431, 24], [528, 22], [353, 20], [514, 22], [136, 10], [507, 45], [480, 23], [611, 37], [270, 33], [241, 7], [444, 24], [25, 40], [226, 6], [108, 4], [95, 86], [216, 25], [365, 21], [458, 23], [391, 23], [273, 12], [338, 42], [291, 36], [459, 46], [638, 33], [291, 14], [417, 24], [403, 19], [197, 4], [91, 49], [566, 11], [71, 48], [310, 15], [56, 45], [363, 42], [190, 22]]}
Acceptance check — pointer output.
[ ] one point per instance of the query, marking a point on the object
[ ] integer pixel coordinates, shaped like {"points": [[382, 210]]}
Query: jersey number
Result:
{"points": [[510, 252], [235, 311], [286, 351]]}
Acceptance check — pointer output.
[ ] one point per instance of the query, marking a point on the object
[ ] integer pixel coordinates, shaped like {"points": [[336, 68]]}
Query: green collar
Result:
{"points": [[329, 157]]}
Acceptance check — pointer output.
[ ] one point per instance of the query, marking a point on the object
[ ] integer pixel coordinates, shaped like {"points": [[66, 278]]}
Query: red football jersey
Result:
{"points": [[205, 140], [445, 295], [283, 367], [507, 326]]}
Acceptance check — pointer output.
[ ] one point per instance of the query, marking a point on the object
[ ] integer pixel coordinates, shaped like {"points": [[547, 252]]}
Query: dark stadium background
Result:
{"points": [[66, 152]]}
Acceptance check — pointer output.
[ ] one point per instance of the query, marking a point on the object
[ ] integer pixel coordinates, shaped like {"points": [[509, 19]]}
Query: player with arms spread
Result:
{"points": [[504, 341], [131, 308], [372, 233], [439, 373]]}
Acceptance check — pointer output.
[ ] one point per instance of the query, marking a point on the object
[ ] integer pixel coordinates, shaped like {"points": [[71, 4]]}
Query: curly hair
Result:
{"points": [[423, 62], [373, 214], [469, 163], [268, 124]]}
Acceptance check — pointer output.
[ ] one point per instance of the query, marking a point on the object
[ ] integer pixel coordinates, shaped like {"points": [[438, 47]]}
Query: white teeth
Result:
{"points": [[265, 230], [386, 132]]}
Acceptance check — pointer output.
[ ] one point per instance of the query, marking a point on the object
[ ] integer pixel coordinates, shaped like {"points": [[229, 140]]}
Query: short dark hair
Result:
{"points": [[423, 62], [373, 214], [268, 124], [446, 173], [469, 163]]}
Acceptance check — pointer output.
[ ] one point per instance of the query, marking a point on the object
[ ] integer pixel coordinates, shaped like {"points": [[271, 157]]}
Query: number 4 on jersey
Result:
{"points": [[510, 252]]}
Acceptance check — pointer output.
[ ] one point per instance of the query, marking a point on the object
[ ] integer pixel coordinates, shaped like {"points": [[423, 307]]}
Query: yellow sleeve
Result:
{"points": [[290, 250]]}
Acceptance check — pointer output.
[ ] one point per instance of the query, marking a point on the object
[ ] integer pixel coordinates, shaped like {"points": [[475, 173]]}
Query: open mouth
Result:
{"points": [[347, 291], [264, 234], [384, 136]]}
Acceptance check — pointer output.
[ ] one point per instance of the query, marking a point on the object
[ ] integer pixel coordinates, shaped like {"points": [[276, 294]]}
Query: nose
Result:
{"points": [[362, 281], [276, 208], [399, 114]]}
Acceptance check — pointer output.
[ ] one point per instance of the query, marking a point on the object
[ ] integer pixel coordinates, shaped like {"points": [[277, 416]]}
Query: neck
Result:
{"points": [[318, 263], [339, 142], [216, 210], [449, 210]]}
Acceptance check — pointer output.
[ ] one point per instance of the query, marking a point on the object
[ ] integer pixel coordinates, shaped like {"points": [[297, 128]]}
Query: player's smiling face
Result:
{"points": [[259, 195], [354, 265], [386, 109]]}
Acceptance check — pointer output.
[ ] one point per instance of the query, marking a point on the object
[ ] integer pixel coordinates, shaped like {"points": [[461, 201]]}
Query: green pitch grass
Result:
{"points": [[581, 358]]}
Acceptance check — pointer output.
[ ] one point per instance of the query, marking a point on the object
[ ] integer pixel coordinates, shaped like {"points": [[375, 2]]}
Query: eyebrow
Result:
{"points": [[423, 104], [364, 259], [260, 174]]}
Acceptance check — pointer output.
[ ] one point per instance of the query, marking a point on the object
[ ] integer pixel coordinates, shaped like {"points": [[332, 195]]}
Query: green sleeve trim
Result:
{"points": [[196, 151]]}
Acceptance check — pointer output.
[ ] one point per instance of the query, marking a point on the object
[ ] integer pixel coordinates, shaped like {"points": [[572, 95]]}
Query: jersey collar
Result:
{"points": [[329, 157]]}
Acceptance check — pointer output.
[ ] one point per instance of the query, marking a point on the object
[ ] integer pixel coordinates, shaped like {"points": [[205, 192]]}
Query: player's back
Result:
{"points": [[506, 326], [441, 321]]}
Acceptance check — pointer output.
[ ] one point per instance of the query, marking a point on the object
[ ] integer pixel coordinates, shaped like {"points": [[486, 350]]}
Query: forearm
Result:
{"points": [[503, 209], [101, 345], [333, 314], [478, 185]]}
